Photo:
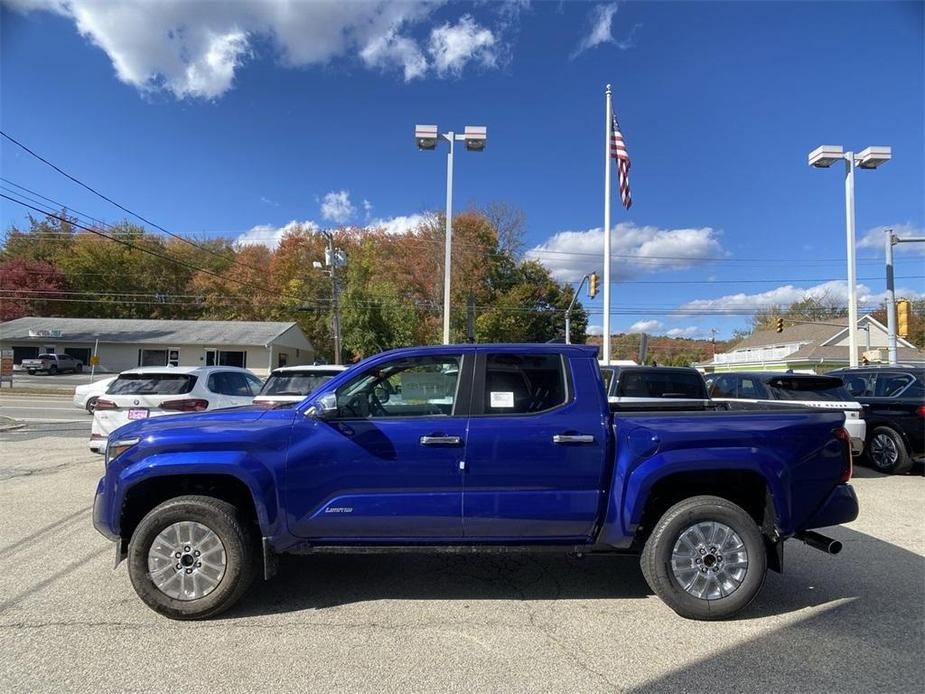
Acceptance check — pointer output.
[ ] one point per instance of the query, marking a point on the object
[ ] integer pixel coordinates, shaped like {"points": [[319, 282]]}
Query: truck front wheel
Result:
{"points": [[191, 557], [705, 558]]}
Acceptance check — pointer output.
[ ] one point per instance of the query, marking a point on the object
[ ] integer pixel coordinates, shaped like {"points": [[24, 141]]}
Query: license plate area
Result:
{"points": [[138, 413]]}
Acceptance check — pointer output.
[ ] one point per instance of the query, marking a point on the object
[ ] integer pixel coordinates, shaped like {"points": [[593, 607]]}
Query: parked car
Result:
{"points": [[524, 455], [293, 383], [85, 396], [162, 390], [894, 406], [657, 387], [52, 364], [776, 388]]}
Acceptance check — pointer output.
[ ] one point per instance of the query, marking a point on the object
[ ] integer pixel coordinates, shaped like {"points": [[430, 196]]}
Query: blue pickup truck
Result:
{"points": [[471, 448]]}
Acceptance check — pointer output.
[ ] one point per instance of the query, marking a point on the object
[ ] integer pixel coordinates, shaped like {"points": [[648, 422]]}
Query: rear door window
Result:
{"points": [[229, 383], [891, 385], [518, 383], [152, 384], [822, 388], [857, 385], [723, 387]]}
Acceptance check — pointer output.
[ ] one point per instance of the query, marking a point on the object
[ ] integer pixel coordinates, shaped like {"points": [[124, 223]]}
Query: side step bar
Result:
{"points": [[819, 541]]}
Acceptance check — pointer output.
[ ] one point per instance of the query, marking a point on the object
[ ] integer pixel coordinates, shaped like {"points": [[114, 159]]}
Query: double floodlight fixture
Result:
{"points": [[474, 136], [823, 157]]}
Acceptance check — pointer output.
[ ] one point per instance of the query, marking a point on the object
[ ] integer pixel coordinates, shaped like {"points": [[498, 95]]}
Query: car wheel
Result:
{"points": [[31, 372], [52, 370], [91, 404], [887, 453], [191, 557], [705, 558], [79, 369]]}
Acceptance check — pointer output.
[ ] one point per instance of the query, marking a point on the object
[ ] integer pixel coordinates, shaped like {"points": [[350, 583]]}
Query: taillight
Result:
{"points": [[106, 405], [94, 435], [189, 405], [920, 411], [847, 462]]}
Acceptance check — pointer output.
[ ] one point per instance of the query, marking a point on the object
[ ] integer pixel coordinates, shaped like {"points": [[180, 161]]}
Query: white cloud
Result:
{"points": [[194, 49], [875, 238], [600, 20], [645, 326], [836, 290], [336, 206], [689, 331], [452, 46], [595, 330], [367, 209], [270, 236], [267, 201], [391, 50], [635, 250], [402, 224]]}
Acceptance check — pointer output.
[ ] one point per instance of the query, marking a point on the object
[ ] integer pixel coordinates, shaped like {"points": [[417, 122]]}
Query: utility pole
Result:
{"points": [[568, 311], [470, 318], [892, 240], [331, 260], [713, 332]]}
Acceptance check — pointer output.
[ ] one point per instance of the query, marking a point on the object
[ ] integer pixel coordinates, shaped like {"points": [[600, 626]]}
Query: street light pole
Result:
{"points": [[890, 299], [426, 137], [568, 311], [448, 252], [335, 303], [852, 278]]}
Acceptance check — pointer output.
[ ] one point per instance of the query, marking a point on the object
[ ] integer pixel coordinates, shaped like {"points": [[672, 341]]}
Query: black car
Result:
{"points": [[894, 406]]}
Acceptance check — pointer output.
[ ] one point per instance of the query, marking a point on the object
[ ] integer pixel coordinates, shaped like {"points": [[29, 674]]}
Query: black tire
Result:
{"points": [[31, 372], [79, 369], [240, 556], [52, 370], [886, 452], [657, 553], [91, 404]]}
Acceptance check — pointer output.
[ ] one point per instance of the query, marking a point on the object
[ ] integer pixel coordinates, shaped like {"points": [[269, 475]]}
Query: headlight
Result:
{"points": [[116, 448]]}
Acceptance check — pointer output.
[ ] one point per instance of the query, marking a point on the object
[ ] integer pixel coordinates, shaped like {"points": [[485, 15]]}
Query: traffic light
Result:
{"points": [[592, 285], [902, 318], [779, 323]]}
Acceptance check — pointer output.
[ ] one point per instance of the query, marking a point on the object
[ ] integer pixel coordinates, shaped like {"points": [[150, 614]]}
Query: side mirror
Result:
{"points": [[325, 407]]}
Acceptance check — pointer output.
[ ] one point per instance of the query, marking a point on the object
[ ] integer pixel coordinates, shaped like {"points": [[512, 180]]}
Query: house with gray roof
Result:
{"points": [[126, 343], [811, 347]]}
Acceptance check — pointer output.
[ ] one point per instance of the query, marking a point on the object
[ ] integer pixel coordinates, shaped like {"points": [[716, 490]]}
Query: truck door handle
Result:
{"points": [[440, 440], [573, 438]]}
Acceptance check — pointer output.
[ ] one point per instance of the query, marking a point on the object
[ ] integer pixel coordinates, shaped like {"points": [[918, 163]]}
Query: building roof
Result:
{"points": [[800, 332], [165, 332]]}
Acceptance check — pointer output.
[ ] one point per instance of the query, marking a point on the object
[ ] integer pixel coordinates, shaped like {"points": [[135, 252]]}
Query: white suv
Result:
{"points": [[162, 390], [293, 383]]}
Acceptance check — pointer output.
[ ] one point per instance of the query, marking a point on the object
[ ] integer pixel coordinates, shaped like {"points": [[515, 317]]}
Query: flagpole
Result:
{"points": [[608, 125]]}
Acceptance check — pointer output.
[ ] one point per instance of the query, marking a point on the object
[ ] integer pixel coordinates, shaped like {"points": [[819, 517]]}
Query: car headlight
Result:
{"points": [[116, 448]]}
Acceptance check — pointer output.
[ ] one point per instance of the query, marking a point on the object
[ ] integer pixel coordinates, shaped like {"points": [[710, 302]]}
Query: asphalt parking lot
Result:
{"points": [[69, 622]]}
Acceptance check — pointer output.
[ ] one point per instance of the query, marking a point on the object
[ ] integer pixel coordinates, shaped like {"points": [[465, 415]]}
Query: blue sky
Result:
{"points": [[239, 118]]}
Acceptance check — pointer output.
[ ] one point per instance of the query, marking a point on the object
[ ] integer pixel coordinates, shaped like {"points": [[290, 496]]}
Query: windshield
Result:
{"points": [[661, 384], [152, 384], [809, 388], [296, 382]]}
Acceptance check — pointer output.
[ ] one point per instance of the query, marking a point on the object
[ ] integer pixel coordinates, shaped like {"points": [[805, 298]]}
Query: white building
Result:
{"points": [[815, 347], [126, 343]]}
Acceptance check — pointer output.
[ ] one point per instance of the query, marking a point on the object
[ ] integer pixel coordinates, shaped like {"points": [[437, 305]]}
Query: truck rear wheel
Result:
{"points": [[191, 557], [705, 558]]}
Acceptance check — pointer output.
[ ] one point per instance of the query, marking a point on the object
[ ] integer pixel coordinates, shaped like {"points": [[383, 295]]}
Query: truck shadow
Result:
{"points": [[811, 579], [865, 472]]}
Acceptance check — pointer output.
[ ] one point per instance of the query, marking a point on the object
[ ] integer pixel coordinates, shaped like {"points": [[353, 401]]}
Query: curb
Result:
{"points": [[9, 424]]}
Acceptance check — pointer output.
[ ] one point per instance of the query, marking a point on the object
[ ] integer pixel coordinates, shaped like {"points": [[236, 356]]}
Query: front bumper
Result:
{"points": [[841, 506], [101, 511]]}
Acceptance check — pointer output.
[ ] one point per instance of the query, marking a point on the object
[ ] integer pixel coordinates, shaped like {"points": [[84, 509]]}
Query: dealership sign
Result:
{"points": [[45, 333]]}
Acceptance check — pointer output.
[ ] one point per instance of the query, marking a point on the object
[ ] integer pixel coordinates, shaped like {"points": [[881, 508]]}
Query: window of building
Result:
{"points": [[81, 354], [152, 357], [282, 359], [173, 357], [20, 353], [523, 383]]}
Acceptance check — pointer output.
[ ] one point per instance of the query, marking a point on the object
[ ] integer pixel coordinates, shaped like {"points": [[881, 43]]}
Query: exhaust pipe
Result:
{"points": [[819, 541]]}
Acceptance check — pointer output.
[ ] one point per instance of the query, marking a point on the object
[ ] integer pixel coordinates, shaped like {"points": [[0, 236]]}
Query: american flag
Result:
{"points": [[618, 152]]}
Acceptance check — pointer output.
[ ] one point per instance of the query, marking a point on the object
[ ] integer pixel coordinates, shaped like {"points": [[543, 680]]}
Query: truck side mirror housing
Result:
{"points": [[325, 407]]}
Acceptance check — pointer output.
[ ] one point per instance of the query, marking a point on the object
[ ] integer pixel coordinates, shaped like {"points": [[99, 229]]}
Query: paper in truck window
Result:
{"points": [[502, 398]]}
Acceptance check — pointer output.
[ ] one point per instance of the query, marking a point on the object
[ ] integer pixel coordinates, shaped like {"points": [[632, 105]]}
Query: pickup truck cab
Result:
{"points": [[471, 448], [52, 364]]}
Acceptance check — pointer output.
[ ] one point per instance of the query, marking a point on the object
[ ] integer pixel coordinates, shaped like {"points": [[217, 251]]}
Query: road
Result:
{"points": [[33, 409], [69, 622], [21, 379]]}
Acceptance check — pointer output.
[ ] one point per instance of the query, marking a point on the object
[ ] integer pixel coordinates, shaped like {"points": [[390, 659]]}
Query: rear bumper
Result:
{"points": [[841, 506]]}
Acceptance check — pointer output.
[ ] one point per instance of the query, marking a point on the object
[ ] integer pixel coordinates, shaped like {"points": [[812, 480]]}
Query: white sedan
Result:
{"points": [[163, 390], [85, 396]]}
